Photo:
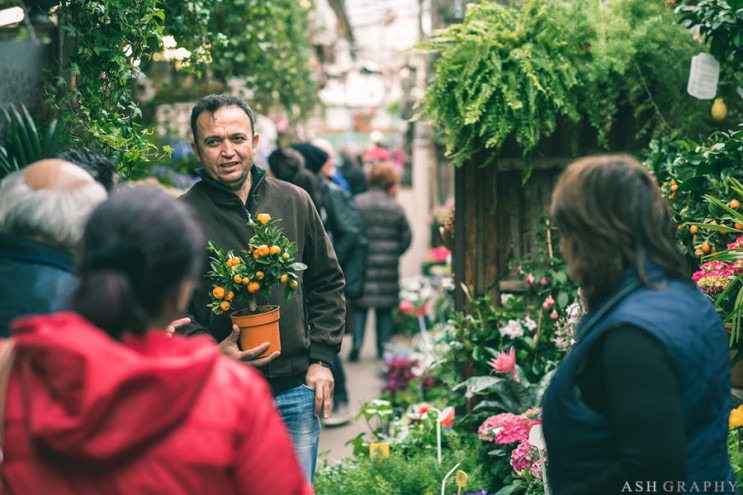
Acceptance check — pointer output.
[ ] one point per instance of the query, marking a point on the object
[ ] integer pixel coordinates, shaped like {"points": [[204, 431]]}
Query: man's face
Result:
{"points": [[225, 146]]}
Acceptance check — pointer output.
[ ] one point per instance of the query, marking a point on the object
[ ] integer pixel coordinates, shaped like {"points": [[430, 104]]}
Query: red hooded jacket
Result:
{"points": [[156, 415]]}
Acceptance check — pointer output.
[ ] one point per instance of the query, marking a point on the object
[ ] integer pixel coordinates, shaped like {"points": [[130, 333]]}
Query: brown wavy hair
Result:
{"points": [[612, 216], [383, 175]]}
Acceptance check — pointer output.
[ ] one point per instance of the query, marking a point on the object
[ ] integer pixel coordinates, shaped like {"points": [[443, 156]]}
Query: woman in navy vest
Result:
{"points": [[641, 403]]}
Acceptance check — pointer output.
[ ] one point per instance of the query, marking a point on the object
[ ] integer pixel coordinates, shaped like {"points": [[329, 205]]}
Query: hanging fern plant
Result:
{"points": [[517, 71], [503, 71]]}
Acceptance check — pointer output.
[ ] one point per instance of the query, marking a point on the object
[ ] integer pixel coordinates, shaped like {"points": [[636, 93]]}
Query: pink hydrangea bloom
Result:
{"points": [[737, 243], [506, 428], [714, 276]]}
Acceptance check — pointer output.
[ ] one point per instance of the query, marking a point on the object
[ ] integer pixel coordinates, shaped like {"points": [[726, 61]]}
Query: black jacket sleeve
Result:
{"points": [[630, 379], [345, 222]]}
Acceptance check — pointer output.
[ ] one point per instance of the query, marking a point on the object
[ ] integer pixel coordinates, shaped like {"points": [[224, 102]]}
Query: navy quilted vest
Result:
{"points": [[579, 440]]}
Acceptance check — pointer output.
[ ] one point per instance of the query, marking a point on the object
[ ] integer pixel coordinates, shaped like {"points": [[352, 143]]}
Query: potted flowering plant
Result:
{"points": [[241, 280], [721, 276]]}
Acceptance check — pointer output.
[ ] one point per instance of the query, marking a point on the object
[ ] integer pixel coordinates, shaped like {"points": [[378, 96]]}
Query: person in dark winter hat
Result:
{"points": [[314, 158], [287, 164]]}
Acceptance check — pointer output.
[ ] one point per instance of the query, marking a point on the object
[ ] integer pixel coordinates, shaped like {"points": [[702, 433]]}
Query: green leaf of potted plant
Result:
{"points": [[240, 281]]}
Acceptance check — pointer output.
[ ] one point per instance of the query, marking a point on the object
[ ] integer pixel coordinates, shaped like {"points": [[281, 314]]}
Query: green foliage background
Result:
{"points": [[262, 42], [519, 70]]}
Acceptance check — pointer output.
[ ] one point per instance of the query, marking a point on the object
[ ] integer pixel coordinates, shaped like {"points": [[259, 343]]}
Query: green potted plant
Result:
{"points": [[241, 281]]}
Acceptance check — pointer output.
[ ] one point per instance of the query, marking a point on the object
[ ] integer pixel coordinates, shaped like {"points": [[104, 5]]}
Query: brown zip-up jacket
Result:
{"points": [[312, 323]]}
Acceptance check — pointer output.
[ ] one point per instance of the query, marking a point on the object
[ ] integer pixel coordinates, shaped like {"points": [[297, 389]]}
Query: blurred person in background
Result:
{"points": [[344, 224], [287, 164], [43, 210], [351, 169], [643, 397], [103, 170], [102, 400], [389, 236]]}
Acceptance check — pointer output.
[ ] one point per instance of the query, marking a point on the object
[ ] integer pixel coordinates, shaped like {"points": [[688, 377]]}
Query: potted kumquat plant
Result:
{"points": [[241, 281]]}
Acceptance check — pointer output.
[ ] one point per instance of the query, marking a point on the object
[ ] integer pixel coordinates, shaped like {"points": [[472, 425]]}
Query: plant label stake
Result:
{"points": [[379, 450], [536, 439], [443, 483], [447, 413], [461, 479]]}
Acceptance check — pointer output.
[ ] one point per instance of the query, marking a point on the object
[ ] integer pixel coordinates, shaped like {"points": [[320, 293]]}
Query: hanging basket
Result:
{"points": [[257, 328]]}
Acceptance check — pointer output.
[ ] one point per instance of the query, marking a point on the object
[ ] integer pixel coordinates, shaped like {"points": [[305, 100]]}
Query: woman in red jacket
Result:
{"points": [[103, 401]]}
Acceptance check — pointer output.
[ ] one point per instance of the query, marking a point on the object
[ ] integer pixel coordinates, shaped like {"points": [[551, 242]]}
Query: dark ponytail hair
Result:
{"points": [[137, 248]]}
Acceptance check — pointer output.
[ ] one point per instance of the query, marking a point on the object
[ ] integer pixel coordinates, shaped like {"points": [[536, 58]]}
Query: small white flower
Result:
{"points": [[530, 324], [513, 329], [505, 297]]}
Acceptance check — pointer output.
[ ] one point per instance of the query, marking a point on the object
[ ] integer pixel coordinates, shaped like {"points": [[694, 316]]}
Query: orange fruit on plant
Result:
{"points": [[263, 250], [224, 305], [218, 292], [254, 287], [284, 278], [230, 295], [698, 253], [738, 226], [259, 275], [734, 203], [706, 248], [275, 250], [693, 229], [674, 187], [237, 279], [246, 281], [263, 218], [286, 256], [293, 284]]}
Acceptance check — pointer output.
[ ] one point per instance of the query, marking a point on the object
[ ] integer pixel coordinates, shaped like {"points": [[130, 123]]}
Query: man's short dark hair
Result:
{"points": [[99, 166], [212, 103]]}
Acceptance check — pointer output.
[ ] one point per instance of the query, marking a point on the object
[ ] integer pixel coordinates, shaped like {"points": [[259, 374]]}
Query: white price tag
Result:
{"points": [[703, 77], [536, 438]]}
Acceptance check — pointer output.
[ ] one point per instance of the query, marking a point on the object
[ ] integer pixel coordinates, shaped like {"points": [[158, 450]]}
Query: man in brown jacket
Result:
{"points": [[311, 324]]}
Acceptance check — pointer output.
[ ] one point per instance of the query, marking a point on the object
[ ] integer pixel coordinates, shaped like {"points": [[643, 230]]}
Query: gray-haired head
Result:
{"points": [[49, 201]]}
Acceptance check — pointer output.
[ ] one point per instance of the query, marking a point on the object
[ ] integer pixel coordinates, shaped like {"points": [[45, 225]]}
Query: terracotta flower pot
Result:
{"points": [[257, 328]]}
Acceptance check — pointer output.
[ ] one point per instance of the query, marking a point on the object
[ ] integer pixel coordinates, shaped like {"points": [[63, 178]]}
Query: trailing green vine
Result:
{"points": [[103, 38], [107, 44]]}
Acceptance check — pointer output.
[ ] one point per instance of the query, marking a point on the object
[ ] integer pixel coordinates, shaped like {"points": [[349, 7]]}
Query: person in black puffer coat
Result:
{"points": [[389, 236]]}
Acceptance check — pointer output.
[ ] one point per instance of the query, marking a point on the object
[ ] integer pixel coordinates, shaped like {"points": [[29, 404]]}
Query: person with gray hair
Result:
{"points": [[43, 211]]}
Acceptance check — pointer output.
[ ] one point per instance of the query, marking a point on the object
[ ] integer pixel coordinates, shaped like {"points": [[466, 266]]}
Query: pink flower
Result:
{"points": [[737, 243], [548, 303], [522, 456], [530, 279], [554, 315], [407, 307], [506, 428], [544, 281], [505, 363]]}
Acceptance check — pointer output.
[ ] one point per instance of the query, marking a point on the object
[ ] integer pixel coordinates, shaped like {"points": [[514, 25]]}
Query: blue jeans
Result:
{"points": [[384, 328], [297, 409]]}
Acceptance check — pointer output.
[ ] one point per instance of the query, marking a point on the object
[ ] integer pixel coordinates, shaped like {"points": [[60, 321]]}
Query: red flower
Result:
{"points": [[446, 417]]}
